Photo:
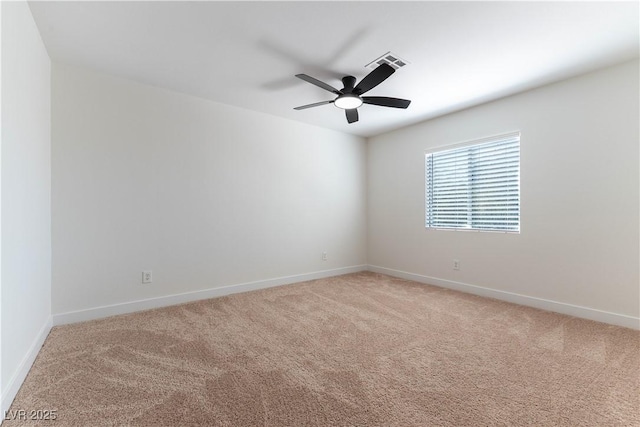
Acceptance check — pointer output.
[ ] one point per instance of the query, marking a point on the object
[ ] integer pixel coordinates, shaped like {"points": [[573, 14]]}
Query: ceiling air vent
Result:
{"points": [[388, 58]]}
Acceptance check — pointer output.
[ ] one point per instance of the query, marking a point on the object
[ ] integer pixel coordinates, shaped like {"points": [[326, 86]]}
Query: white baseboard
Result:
{"points": [[21, 372], [164, 301], [544, 304]]}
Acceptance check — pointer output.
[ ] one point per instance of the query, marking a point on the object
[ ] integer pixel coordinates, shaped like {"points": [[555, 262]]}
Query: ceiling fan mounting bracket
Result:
{"points": [[349, 83]]}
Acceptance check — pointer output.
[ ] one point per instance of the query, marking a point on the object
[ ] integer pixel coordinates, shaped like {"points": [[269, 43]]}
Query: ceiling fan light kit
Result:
{"points": [[348, 101], [349, 97]]}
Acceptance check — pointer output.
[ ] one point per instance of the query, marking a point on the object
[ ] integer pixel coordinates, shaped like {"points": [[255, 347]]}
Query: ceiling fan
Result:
{"points": [[349, 97]]}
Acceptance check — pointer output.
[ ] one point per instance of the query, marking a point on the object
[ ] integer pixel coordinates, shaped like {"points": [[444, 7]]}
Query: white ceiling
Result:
{"points": [[247, 53]]}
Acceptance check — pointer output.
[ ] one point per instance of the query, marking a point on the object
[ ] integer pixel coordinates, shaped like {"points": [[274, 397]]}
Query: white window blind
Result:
{"points": [[475, 186]]}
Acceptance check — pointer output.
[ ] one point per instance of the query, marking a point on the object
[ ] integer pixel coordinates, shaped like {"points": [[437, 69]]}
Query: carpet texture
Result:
{"points": [[357, 350]]}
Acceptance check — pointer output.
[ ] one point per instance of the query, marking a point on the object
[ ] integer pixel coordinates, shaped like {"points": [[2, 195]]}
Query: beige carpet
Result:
{"points": [[357, 350]]}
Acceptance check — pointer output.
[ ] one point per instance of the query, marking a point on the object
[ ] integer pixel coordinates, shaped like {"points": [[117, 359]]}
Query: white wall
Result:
{"points": [[25, 294], [1, 388], [203, 194], [579, 243]]}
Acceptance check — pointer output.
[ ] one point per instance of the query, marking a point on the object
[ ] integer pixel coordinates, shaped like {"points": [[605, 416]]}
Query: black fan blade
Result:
{"points": [[386, 102], [374, 78], [352, 115], [318, 83], [317, 104]]}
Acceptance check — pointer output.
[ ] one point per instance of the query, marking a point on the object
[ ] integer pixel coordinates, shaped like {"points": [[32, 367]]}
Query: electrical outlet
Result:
{"points": [[324, 256], [456, 264], [147, 276]]}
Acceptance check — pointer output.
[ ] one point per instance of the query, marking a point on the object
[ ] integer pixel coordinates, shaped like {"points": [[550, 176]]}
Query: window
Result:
{"points": [[474, 186]]}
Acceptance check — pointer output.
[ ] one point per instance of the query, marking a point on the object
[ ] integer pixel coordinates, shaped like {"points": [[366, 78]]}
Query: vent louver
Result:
{"points": [[388, 58]]}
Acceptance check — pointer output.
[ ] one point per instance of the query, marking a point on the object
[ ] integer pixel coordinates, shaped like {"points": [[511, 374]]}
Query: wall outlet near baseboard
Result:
{"points": [[324, 256], [147, 276], [456, 264]]}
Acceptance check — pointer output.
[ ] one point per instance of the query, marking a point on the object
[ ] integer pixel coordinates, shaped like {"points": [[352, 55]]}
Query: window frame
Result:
{"points": [[470, 143]]}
